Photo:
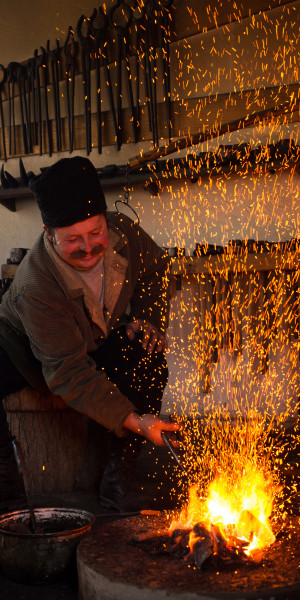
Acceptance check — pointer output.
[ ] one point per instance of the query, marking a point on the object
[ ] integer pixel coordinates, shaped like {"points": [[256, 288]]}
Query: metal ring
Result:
{"points": [[126, 203]]}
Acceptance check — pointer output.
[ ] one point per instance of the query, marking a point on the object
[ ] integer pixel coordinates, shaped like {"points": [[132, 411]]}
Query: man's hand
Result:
{"points": [[152, 338], [150, 427]]}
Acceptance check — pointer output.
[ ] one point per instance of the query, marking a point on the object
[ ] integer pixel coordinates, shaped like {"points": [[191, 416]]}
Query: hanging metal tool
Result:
{"points": [[31, 116], [137, 76], [21, 73], [98, 34], [125, 202], [11, 81], [54, 62], [15, 80], [138, 17], [165, 37], [44, 64], [38, 62], [70, 51], [41, 62], [95, 38], [120, 17], [150, 64], [156, 33], [2, 84], [85, 45], [142, 59], [24, 109]]}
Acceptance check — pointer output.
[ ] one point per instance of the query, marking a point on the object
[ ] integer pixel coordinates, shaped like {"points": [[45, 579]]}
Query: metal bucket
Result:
{"points": [[46, 555]]}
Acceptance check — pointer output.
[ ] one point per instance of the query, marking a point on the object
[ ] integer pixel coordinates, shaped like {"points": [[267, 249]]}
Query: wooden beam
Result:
{"points": [[190, 18], [258, 118], [236, 263]]}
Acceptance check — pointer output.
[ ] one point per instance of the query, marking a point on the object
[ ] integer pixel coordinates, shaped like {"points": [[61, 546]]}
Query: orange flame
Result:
{"points": [[240, 506]]}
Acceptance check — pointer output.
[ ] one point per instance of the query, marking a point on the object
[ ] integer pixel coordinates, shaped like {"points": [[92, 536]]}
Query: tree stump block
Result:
{"points": [[64, 450]]}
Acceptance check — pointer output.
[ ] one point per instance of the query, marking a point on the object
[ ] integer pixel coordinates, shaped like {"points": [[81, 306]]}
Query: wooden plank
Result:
{"points": [[227, 262], [190, 18], [215, 129]]}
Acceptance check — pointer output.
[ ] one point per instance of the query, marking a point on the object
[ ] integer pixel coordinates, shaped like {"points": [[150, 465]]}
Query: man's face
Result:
{"points": [[83, 244]]}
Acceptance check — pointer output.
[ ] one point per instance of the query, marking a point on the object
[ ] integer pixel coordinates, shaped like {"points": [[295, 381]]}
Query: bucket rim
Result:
{"points": [[52, 511]]}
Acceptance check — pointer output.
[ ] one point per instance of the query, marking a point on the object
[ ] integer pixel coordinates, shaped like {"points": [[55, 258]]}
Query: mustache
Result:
{"points": [[81, 254]]}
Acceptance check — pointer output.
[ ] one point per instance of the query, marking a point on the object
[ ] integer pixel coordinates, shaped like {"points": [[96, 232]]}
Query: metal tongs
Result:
{"points": [[171, 448], [174, 419]]}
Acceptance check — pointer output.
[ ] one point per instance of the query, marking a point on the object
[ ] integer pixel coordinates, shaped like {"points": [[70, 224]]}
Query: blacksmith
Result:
{"points": [[85, 317]]}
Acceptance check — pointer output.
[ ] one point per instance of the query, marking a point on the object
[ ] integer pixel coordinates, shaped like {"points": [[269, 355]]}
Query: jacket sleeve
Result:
{"points": [[56, 341]]}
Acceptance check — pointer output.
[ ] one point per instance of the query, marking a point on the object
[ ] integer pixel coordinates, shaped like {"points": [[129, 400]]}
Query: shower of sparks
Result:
{"points": [[234, 336]]}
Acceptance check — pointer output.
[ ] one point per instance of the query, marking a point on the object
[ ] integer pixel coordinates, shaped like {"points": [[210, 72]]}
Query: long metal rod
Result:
{"points": [[188, 141], [22, 468], [170, 447]]}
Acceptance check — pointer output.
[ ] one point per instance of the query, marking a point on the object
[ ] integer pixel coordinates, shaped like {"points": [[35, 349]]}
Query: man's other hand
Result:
{"points": [[152, 338]]}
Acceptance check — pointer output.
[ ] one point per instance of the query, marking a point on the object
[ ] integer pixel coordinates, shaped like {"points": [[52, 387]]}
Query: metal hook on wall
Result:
{"points": [[126, 196]]}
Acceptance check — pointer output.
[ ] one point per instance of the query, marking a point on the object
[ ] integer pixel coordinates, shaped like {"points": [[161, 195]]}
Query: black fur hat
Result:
{"points": [[68, 192]]}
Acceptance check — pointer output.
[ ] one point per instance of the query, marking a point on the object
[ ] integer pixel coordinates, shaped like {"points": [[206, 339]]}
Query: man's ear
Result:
{"points": [[48, 232]]}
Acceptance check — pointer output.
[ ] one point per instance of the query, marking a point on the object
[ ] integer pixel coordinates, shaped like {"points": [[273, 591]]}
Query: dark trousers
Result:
{"points": [[140, 376], [10, 381]]}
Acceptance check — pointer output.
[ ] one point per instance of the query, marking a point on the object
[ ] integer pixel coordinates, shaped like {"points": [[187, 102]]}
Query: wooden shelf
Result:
{"points": [[221, 263], [275, 260]]}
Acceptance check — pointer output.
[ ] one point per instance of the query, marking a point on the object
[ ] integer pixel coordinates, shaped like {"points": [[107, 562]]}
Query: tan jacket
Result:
{"points": [[50, 320]]}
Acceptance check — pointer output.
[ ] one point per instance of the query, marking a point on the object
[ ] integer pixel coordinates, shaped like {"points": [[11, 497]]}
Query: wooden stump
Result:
{"points": [[64, 450]]}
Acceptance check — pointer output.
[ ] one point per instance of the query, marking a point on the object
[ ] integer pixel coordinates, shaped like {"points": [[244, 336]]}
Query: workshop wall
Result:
{"points": [[227, 62]]}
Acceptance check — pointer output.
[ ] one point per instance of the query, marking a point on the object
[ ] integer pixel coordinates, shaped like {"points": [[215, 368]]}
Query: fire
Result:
{"points": [[243, 510], [237, 505]]}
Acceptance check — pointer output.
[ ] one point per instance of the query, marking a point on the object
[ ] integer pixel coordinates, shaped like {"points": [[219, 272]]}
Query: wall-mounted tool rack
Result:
{"points": [[156, 103], [277, 259]]}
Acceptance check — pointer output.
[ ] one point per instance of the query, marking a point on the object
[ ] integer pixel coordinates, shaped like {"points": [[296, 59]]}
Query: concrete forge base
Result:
{"points": [[95, 586], [96, 583], [111, 566]]}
